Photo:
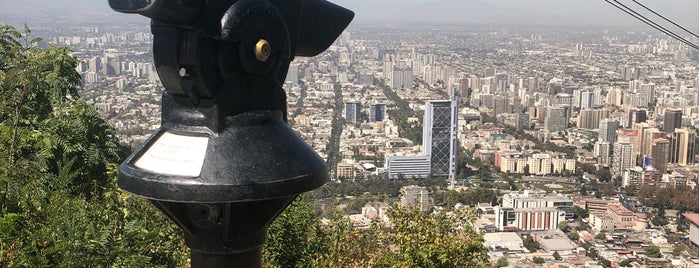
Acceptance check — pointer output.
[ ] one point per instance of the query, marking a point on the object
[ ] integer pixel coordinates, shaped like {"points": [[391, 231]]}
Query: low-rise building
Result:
{"points": [[693, 227], [528, 219]]}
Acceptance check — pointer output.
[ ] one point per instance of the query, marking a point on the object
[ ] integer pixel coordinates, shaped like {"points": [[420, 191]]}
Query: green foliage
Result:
{"points": [[601, 236], [471, 196], [653, 251], [59, 203], [659, 221], [295, 237], [411, 131], [389, 188], [502, 262], [538, 260], [677, 250], [531, 244], [564, 226], [574, 236], [625, 263], [556, 256], [436, 240], [414, 239]]}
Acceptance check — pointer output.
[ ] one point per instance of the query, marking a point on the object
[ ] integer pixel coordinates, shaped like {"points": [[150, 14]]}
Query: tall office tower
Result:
{"points": [[564, 99], [556, 119], [650, 135], [439, 136], [377, 112], [672, 120], [636, 116], [590, 118], [293, 74], [682, 143], [586, 98], [622, 159], [615, 96], [659, 150], [501, 105], [402, 78], [353, 112], [532, 84], [607, 130], [601, 151]]}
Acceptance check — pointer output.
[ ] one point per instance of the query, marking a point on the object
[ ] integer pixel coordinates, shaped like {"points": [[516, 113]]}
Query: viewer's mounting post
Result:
{"points": [[224, 162]]}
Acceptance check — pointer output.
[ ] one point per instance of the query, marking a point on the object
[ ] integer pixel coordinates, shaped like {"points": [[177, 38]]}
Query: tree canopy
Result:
{"points": [[59, 203]]}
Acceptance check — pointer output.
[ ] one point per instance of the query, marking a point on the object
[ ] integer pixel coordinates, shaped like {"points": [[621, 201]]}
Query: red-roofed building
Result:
{"points": [[693, 227]]}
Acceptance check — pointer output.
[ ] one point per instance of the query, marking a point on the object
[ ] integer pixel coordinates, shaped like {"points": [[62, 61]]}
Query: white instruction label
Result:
{"points": [[173, 154]]}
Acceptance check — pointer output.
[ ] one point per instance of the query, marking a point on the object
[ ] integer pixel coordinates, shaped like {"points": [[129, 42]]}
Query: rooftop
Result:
{"points": [[693, 217]]}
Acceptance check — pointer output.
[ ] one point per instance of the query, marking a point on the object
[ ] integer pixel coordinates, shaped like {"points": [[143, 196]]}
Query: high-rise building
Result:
{"points": [[416, 197], [682, 143], [293, 74], [402, 78], [590, 118], [353, 112], [377, 112], [659, 151], [555, 119], [602, 150], [607, 130], [672, 120], [540, 164], [622, 159], [439, 136], [636, 116]]}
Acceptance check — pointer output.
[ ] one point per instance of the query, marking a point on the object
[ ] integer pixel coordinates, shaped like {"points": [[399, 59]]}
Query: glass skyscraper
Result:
{"points": [[439, 139]]}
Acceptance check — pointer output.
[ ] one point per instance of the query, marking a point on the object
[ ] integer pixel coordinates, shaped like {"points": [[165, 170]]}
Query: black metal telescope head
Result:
{"points": [[224, 163]]}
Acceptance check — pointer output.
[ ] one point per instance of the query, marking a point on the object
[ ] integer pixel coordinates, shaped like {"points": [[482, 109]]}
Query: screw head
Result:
{"points": [[262, 50]]}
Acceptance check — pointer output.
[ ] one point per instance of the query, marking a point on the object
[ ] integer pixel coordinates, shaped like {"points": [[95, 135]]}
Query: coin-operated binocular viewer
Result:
{"points": [[224, 163]]}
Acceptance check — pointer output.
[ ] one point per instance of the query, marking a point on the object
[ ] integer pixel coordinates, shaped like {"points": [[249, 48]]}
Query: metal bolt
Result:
{"points": [[262, 50]]}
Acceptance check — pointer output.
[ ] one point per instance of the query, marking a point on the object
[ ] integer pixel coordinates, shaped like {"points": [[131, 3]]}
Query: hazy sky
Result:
{"points": [[536, 12], [570, 12]]}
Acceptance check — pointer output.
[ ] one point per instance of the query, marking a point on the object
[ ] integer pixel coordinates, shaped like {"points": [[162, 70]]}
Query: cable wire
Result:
{"points": [[650, 23], [668, 20]]}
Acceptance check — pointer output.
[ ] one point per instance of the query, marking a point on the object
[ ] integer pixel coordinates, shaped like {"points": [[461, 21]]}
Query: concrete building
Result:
{"points": [[682, 143], [602, 151], [540, 164], [659, 151], [693, 227], [563, 164], [526, 200], [353, 112], [636, 116], [622, 159], [415, 197], [414, 166], [672, 120], [377, 112], [345, 171], [513, 163], [528, 219], [607, 130], [601, 222], [590, 118], [502, 241], [555, 119]]}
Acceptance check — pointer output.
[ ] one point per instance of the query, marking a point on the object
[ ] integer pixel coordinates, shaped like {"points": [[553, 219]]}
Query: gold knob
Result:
{"points": [[262, 50]]}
